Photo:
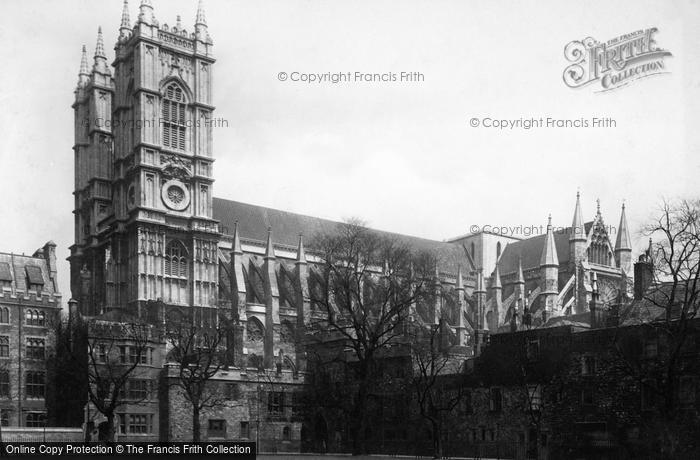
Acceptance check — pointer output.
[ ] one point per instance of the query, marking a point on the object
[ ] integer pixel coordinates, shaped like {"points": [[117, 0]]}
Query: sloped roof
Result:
{"points": [[18, 268], [253, 222], [530, 250]]}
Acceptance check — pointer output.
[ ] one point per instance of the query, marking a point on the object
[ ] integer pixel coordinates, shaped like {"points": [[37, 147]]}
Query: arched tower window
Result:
{"points": [[176, 259], [174, 121]]}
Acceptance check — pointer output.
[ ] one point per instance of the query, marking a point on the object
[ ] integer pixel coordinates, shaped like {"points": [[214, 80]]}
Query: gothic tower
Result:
{"points": [[93, 176], [153, 236]]}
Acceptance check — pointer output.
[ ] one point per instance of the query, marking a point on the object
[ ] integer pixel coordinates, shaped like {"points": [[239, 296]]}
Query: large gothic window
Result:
{"points": [[176, 260], [174, 105]]}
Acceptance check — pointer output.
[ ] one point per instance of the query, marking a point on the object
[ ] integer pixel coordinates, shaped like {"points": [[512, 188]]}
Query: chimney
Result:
{"points": [[643, 276]]}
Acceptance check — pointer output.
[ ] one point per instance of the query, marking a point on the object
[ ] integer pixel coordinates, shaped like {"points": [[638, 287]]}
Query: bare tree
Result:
{"points": [[668, 309], [197, 350], [366, 287], [436, 397], [115, 351]]}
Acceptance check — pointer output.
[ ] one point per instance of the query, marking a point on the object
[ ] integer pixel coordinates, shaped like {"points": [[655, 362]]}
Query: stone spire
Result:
{"points": [[83, 75], [301, 254], [578, 231], [100, 62], [549, 252], [623, 235], [623, 245], [269, 250], [125, 26], [146, 12], [236, 247], [200, 23], [201, 17]]}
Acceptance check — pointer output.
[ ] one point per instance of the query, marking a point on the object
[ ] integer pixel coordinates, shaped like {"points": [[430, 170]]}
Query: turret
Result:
{"points": [[302, 291], [146, 15], [623, 245], [549, 269]]}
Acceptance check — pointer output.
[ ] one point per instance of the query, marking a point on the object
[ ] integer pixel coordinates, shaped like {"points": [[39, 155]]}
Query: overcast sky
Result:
{"points": [[402, 156]]}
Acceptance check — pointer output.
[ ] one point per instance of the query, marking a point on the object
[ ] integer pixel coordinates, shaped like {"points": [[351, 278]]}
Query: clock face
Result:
{"points": [[175, 195]]}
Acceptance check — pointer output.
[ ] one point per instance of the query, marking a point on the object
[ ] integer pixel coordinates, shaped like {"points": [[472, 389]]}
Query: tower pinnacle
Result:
{"points": [[578, 231], [83, 73], [100, 60], [200, 23], [549, 251], [301, 254], [146, 12], [125, 26], [623, 235], [269, 249]]}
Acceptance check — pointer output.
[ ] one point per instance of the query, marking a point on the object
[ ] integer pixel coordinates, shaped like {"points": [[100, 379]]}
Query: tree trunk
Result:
{"points": [[195, 424], [358, 440], [110, 432]]}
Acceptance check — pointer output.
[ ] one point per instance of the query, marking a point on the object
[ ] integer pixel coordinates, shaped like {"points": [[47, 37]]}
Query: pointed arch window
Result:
{"points": [[176, 259], [174, 120]]}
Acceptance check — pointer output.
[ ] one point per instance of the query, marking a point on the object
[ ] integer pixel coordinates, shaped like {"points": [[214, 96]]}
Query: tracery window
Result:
{"points": [[174, 121], [176, 259]]}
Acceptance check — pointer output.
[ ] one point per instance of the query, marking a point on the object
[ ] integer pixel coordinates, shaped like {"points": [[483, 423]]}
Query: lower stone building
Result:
{"points": [[248, 404], [29, 305]]}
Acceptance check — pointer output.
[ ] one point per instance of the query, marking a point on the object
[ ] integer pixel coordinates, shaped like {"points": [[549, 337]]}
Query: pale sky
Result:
{"points": [[402, 156]]}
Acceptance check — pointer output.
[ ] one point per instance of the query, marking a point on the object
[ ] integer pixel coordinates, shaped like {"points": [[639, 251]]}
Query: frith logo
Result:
{"points": [[614, 63]]}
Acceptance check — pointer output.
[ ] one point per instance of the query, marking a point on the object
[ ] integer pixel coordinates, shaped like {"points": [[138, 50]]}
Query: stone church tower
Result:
{"points": [[144, 227]]}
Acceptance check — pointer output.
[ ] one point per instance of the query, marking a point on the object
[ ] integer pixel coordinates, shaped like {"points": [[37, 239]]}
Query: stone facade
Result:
{"points": [[150, 237], [29, 307]]}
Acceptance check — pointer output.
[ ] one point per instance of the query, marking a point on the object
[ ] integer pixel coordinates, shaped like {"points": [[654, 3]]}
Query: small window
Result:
{"points": [[286, 434], [587, 397], [35, 384], [233, 391], [102, 353], [122, 354], [495, 400], [4, 384], [5, 417], [139, 389], [4, 346], [35, 419], [275, 402], [534, 394], [217, 428], [588, 365], [5, 315], [245, 430], [140, 423], [35, 348], [533, 349]]}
